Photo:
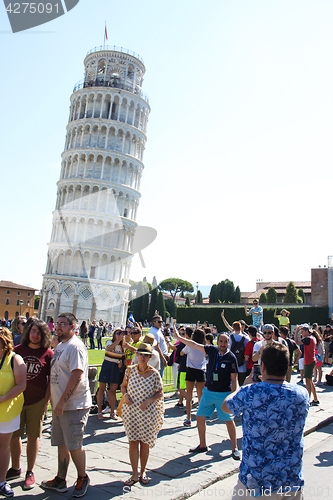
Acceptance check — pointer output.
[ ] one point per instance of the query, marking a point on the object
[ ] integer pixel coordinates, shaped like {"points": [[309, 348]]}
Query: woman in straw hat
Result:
{"points": [[142, 411]]}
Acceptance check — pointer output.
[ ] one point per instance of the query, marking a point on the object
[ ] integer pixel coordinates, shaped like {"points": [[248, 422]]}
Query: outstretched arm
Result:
{"points": [[190, 343], [226, 322]]}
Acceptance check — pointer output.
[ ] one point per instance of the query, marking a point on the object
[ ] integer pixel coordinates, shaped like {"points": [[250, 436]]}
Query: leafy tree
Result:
{"points": [[160, 305], [229, 291], [171, 307], [137, 303], [262, 298], [213, 295], [290, 297], [237, 295], [271, 296], [220, 291], [198, 299], [145, 306], [175, 285], [153, 303], [37, 299], [188, 303], [145, 300], [301, 294]]}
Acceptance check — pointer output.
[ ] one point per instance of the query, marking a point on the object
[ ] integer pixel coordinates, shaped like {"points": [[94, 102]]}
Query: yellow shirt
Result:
{"points": [[13, 407], [283, 320]]}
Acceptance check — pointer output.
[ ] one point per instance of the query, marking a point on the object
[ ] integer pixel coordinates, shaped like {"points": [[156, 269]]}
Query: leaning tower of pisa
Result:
{"points": [[98, 192]]}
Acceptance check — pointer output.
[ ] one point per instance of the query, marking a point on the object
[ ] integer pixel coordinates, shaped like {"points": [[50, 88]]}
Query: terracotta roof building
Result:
{"points": [[16, 299], [280, 287]]}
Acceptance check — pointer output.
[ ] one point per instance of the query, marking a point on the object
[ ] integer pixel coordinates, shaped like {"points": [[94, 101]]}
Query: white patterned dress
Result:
{"points": [[143, 425]]}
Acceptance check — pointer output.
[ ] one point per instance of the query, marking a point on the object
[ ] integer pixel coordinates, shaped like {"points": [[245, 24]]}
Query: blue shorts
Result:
{"points": [[210, 401], [109, 373]]}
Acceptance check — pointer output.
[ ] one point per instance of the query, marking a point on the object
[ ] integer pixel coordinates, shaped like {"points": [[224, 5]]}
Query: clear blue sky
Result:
{"points": [[238, 162]]}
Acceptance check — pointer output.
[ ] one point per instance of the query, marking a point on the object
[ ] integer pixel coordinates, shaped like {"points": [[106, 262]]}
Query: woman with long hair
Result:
{"points": [[12, 384], [142, 411], [114, 357], [17, 328], [195, 372], [84, 332]]}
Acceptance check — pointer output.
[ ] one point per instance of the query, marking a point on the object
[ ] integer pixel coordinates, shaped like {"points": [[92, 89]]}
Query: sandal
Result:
{"points": [[130, 481], [100, 416], [144, 480], [114, 416]]}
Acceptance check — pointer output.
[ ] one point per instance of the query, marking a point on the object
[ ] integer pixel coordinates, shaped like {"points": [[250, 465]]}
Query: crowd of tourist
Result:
{"points": [[42, 362]]}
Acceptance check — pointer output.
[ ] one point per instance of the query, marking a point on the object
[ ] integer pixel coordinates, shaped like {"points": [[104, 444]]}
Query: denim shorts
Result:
{"points": [[109, 373], [210, 401]]}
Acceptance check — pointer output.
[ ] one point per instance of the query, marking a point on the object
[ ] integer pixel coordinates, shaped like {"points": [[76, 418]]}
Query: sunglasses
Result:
{"points": [[143, 355]]}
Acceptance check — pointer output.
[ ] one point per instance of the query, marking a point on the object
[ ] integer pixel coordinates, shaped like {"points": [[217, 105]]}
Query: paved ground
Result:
{"points": [[174, 472]]}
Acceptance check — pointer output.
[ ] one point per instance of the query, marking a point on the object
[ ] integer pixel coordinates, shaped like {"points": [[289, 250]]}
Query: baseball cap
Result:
{"points": [[268, 328]]}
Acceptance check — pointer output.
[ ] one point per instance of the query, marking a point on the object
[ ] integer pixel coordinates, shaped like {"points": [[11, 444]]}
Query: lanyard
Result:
{"points": [[218, 360]]}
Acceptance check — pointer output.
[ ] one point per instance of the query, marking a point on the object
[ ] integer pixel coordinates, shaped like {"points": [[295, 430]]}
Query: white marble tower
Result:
{"points": [[98, 192]]}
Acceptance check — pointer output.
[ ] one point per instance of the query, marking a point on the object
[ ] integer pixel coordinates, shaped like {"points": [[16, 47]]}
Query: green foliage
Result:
{"points": [[301, 295], [271, 296], [160, 305], [171, 307], [298, 315], [153, 304], [237, 295], [175, 285], [290, 297], [263, 298], [188, 302], [36, 303], [225, 293], [213, 295], [198, 298], [145, 306], [137, 303]]}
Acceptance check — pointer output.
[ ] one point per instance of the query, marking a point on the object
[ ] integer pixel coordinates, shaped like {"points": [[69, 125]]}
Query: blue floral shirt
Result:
{"points": [[256, 318], [273, 423]]}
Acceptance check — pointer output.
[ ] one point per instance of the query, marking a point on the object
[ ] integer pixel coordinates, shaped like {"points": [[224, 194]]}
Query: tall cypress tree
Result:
{"points": [[160, 305], [153, 299], [137, 303], [213, 295]]}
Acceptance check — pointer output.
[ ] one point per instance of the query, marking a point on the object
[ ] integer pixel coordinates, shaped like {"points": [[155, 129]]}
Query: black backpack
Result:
{"points": [[238, 349]]}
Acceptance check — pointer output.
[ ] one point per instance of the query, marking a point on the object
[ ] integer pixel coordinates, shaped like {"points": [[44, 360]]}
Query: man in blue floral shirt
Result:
{"points": [[274, 414]]}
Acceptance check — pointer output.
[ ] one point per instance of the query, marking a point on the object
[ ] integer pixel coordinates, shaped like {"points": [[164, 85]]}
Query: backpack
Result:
{"points": [[238, 349]]}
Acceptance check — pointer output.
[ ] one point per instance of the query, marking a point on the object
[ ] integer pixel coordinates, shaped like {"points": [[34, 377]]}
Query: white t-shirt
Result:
{"points": [[257, 346], [195, 359], [69, 356], [160, 339]]}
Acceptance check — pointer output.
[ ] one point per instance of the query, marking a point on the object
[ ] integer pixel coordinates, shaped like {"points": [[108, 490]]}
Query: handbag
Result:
{"points": [[121, 402]]}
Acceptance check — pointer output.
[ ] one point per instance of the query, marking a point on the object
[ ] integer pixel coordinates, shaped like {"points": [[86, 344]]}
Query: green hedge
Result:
{"points": [[213, 315]]}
